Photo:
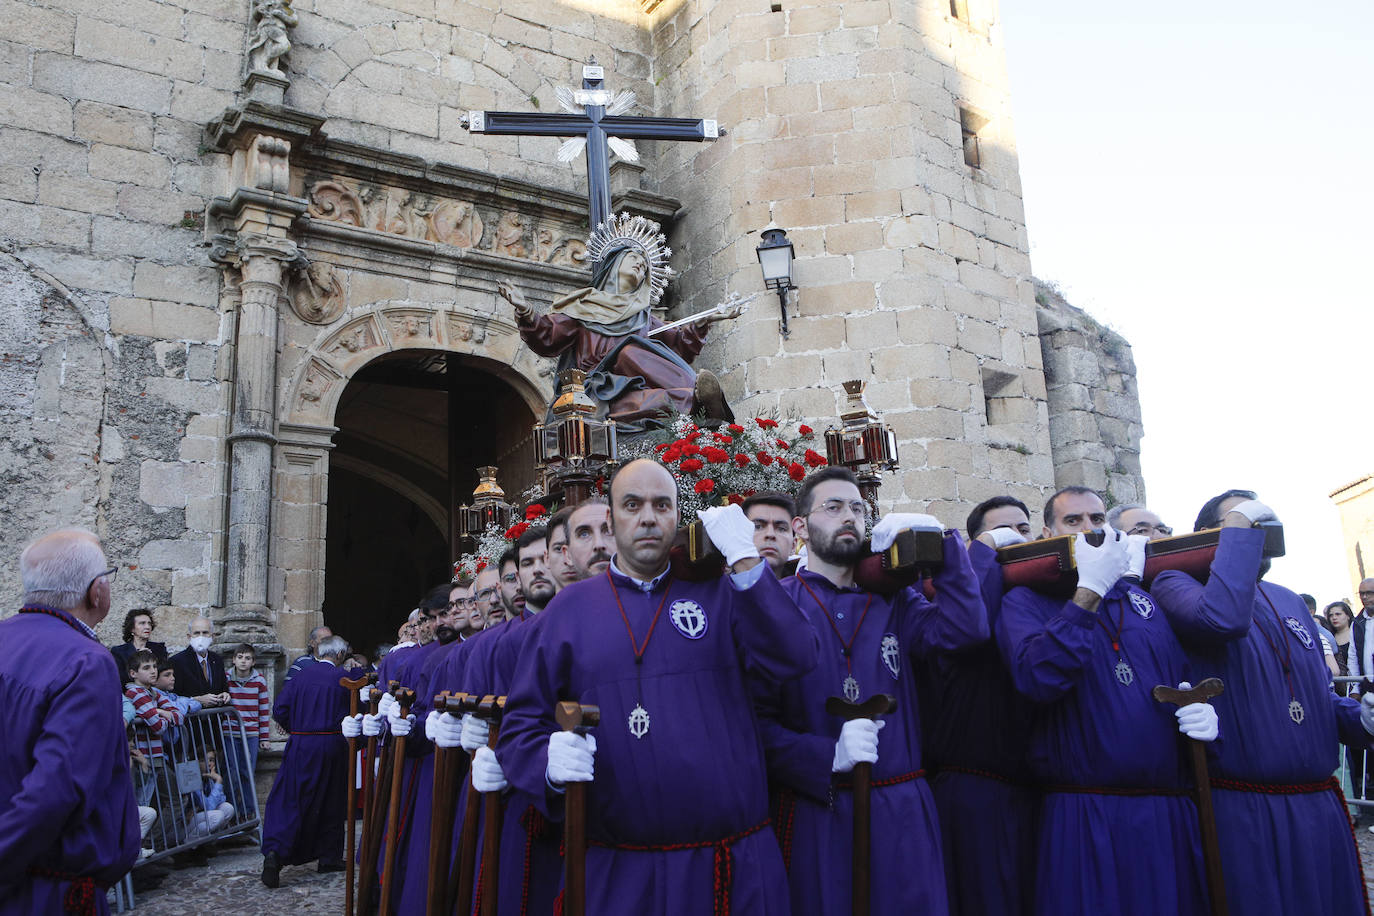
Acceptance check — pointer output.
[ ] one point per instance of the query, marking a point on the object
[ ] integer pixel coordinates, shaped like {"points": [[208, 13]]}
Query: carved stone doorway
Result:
{"points": [[413, 427]]}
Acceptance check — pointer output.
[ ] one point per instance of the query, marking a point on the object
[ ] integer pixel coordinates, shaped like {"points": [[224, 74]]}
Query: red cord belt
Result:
{"points": [[80, 897], [724, 861]]}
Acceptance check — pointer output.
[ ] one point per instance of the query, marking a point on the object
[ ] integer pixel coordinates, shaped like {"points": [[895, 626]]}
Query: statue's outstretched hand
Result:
{"points": [[515, 298], [731, 307]]}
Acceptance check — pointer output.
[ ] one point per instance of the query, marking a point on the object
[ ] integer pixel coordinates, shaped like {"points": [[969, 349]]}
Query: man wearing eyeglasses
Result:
{"points": [[1136, 520], [870, 644], [68, 822]]}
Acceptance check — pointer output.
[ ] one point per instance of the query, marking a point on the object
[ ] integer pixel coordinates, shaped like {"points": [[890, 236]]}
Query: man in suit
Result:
{"points": [[1360, 627], [199, 671]]}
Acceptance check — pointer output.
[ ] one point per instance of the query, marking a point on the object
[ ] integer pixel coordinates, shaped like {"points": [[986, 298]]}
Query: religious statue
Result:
{"points": [[638, 369], [269, 44]]}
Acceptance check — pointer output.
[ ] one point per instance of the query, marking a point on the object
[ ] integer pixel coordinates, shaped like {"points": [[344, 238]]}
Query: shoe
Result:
{"points": [[325, 868], [271, 870]]}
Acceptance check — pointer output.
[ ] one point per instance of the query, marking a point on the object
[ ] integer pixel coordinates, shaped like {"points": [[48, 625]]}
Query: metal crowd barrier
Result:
{"points": [[178, 785], [1356, 766]]}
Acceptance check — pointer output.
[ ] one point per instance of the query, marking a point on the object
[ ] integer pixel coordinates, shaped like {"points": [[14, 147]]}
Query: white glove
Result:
{"points": [[352, 726], [448, 731], [387, 706], [572, 758], [475, 732], [802, 557], [1255, 511], [430, 719], [1197, 720], [400, 727], [730, 531], [1100, 567], [1003, 537], [1135, 555], [372, 725], [885, 532], [365, 694], [487, 775], [1367, 712], [858, 744]]}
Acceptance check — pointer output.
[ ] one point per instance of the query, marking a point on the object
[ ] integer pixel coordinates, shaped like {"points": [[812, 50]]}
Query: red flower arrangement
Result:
{"points": [[705, 486]]}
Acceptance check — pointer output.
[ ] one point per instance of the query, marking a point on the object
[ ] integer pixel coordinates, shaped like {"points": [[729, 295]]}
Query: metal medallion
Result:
{"points": [[851, 689], [1296, 712], [1124, 673], [639, 721]]}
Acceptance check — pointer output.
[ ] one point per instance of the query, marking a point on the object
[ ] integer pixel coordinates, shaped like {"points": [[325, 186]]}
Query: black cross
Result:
{"points": [[596, 126]]}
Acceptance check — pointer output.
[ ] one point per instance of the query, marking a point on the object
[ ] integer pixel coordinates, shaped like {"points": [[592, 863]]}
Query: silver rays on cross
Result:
{"points": [[574, 101]]}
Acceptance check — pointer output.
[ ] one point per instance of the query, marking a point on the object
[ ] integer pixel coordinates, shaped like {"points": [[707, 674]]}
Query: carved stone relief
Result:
{"points": [[357, 337], [456, 223], [269, 164], [319, 378], [333, 201], [410, 327], [317, 295], [466, 329]]}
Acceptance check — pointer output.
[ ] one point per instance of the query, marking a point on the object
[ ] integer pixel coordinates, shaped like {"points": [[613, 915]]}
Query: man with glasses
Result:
{"points": [[870, 644], [68, 821], [1136, 520], [486, 592]]}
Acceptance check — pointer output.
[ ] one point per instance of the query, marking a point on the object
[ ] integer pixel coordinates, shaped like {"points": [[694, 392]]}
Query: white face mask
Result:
{"points": [[201, 644]]}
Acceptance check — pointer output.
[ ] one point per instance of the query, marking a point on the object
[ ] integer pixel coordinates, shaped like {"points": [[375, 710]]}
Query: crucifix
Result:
{"points": [[593, 117]]}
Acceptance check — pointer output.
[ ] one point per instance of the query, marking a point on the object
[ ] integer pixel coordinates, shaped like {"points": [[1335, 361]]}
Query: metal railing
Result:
{"points": [[1355, 767]]}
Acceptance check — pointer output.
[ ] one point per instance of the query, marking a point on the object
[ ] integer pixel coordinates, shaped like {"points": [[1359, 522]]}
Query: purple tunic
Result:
{"points": [[799, 737], [304, 817], [66, 797], [695, 781], [1102, 851], [976, 731], [1281, 853]]}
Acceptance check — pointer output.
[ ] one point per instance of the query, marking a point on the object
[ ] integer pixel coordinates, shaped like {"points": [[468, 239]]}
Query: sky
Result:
{"points": [[1198, 177]]}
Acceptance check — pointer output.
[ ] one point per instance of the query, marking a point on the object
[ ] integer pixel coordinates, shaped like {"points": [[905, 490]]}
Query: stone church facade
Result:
{"points": [[248, 322]]}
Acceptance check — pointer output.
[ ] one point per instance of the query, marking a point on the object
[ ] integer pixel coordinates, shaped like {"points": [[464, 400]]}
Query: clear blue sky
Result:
{"points": [[1203, 185]]}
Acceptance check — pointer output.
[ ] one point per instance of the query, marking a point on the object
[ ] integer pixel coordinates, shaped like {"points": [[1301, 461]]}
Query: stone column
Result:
{"points": [[263, 261]]}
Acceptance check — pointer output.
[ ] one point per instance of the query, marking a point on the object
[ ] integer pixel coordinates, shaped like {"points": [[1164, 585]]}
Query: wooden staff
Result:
{"points": [[352, 686], [880, 704], [441, 818], [405, 697], [1206, 817], [461, 879], [491, 709], [575, 717], [373, 802]]}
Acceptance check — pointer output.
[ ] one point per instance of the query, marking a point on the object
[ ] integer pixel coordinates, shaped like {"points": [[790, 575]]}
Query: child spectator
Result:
{"points": [[209, 809], [154, 715], [248, 694], [166, 686]]}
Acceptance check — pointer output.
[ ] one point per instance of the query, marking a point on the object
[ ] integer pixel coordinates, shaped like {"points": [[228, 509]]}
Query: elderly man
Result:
{"points": [[312, 646], [1135, 519], [199, 670], [68, 822], [772, 515], [304, 818], [678, 796], [1285, 837]]}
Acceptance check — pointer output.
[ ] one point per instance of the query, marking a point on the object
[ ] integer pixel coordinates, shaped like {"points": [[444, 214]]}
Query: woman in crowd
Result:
{"points": [[138, 634], [1339, 616]]}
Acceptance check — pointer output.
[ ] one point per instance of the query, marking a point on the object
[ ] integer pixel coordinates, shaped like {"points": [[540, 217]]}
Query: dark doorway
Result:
{"points": [[413, 428]]}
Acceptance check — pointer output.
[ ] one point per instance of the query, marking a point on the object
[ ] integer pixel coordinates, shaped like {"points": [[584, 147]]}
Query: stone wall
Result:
{"points": [[1355, 503], [1094, 406]]}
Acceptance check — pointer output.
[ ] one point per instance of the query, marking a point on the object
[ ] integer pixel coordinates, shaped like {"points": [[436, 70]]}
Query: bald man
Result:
{"points": [[199, 670], [68, 823]]}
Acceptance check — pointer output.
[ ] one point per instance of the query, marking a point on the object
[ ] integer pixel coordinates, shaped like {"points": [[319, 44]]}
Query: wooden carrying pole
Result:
{"points": [[374, 802], [491, 708], [575, 717], [441, 817], [1206, 817], [461, 879], [875, 706], [352, 686], [405, 697]]}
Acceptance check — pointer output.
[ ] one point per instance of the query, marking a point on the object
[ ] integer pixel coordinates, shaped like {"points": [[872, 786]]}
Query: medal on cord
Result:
{"points": [[850, 686], [638, 721], [1125, 674], [1295, 710]]}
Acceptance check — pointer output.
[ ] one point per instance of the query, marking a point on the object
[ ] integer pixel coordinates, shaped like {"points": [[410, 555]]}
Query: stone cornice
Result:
{"points": [[238, 124]]}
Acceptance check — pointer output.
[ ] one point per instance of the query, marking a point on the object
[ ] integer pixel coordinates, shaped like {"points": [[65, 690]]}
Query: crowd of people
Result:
{"points": [[1025, 766]]}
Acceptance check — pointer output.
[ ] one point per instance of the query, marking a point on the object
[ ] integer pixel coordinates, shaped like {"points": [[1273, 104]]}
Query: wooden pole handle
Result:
{"points": [[575, 717], [876, 706], [1199, 693]]}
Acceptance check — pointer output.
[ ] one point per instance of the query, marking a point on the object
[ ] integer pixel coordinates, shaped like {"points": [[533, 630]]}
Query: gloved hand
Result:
{"points": [[400, 727], [1255, 511], [858, 744], [373, 725], [365, 694], [730, 531], [1135, 555], [885, 532], [1197, 720], [448, 731], [1367, 712], [352, 726], [430, 719], [387, 705], [487, 775], [1001, 537], [572, 758], [476, 732], [1100, 567]]}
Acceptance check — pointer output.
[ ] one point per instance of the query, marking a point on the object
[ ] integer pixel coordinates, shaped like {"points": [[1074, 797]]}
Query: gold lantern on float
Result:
{"points": [[489, 507], [863, 442], [573, 446]]}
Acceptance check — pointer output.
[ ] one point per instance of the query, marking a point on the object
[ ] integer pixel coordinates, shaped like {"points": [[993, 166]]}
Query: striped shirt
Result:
{"points": [[249, 697], [146, 703]]}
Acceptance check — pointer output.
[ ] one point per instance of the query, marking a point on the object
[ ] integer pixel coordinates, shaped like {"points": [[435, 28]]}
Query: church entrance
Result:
{"points": [[413, 427]]}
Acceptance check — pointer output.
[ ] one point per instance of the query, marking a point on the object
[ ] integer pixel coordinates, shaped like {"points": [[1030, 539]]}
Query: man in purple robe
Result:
{"points": [[1118, 832], [304, 817], [1286, 845], [678, 797], [68, 822], [977, 729], [869, 645]]}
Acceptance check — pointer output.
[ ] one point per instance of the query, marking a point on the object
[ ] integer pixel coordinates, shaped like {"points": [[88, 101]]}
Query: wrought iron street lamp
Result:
{"points": [[775, 259]]}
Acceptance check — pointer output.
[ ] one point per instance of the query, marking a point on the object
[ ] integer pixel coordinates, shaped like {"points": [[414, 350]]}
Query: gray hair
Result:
{"points": [[315, 634], [56, 569], [335, 646], [1115, 512]]}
